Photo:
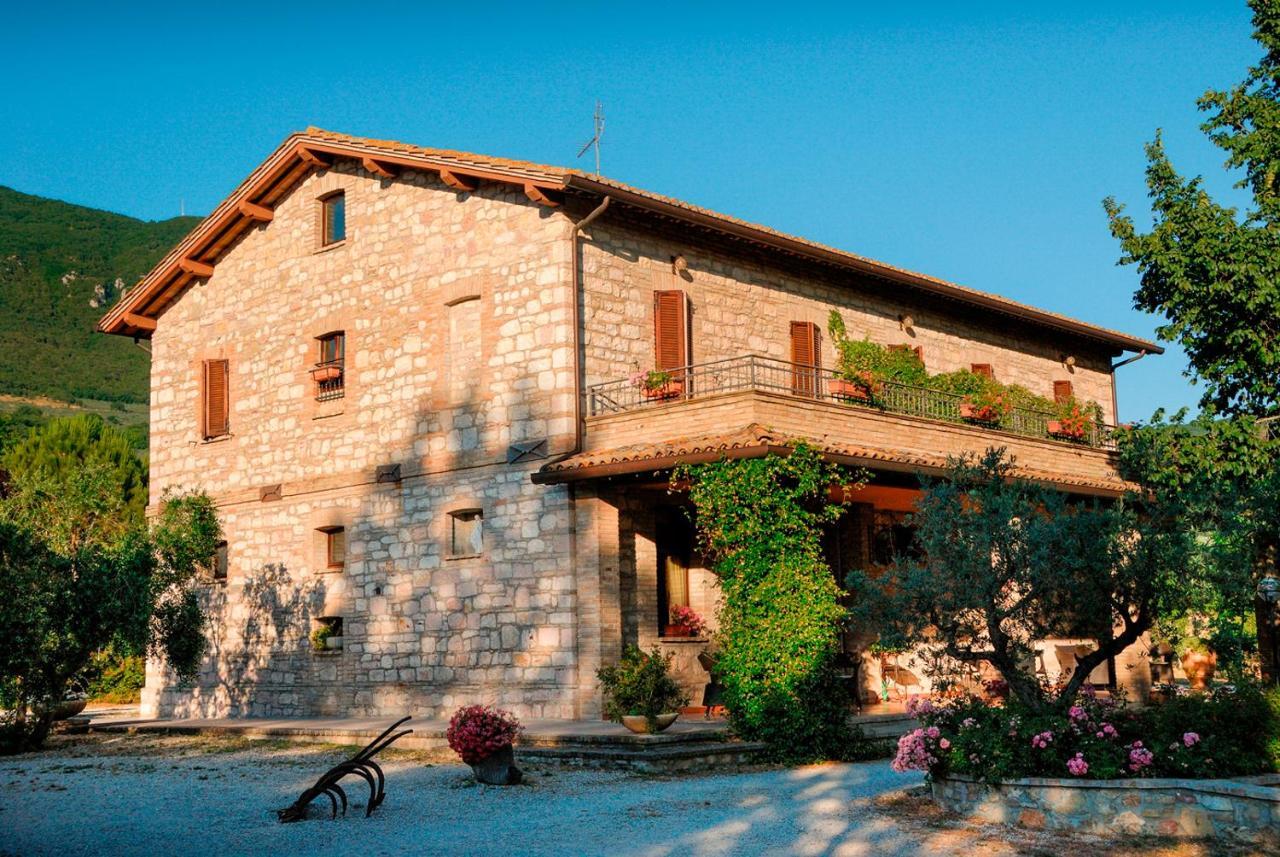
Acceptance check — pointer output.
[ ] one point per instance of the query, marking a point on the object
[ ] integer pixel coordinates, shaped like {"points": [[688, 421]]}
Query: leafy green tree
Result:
{"points": [[1211, 271], [65, 597], [760, 522], [17, 424], [52, 456], [1004, 562]]}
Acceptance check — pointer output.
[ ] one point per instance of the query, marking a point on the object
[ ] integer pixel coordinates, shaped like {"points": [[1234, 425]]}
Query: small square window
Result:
{"points": [[466, 532], [333, 211], [335, 547]]}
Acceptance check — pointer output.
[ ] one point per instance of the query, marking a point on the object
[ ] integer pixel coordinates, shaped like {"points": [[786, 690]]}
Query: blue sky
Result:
{"points": [[969, 141]]}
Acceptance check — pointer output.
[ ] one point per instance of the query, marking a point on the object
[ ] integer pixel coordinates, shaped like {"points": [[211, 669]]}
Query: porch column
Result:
{"points": [[595, 560]]}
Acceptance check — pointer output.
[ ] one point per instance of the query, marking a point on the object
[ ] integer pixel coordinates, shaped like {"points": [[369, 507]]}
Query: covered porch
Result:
{"points": [[639, 566]]}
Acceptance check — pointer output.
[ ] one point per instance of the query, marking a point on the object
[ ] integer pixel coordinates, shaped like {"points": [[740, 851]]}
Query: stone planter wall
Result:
{"points": [[1246, 809]]}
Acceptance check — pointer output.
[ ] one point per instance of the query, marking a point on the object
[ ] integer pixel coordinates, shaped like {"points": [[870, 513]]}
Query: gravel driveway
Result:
{"points": [[131, 795]]}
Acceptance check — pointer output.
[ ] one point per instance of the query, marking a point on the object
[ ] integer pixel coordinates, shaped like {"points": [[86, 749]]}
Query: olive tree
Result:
{"points": [[1003, 562]]}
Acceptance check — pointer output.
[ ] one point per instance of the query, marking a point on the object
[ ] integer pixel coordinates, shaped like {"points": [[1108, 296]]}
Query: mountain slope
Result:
{"points": [[61, 268]]}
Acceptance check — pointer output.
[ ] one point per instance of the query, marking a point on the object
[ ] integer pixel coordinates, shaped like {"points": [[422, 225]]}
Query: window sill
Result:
{"points": [[331, 569], [325, 248], [464, 556], [684, 639], [219, 439]]}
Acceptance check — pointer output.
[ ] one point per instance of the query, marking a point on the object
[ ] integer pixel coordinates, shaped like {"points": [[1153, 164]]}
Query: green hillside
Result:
{"points": [[61, 267]]}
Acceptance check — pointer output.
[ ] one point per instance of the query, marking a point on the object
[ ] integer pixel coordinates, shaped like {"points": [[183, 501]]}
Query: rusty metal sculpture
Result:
{"points": [[360, 765]]}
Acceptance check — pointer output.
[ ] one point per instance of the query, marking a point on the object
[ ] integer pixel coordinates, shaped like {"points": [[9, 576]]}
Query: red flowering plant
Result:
{"points": [[682, 615], [476, 732], [991, 404]]}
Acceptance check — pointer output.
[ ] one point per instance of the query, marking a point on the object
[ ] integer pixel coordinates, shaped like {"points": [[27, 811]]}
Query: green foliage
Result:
{"points": [[1219, 476], [760, 521], [69, 590], [1212, 272], [320, 637], [641, 684], [870, 364], [54, 454], [53, 256], [17, 424], [114, 678], [1002, 562]]}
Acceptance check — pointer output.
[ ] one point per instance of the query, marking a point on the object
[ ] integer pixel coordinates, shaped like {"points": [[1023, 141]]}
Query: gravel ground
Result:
{"points": [[124, 795]]}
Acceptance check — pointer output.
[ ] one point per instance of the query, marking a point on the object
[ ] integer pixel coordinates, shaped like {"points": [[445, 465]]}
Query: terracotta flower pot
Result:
{"points": [[979, 413], [326, 373], [498, 768], [1058, 428], [669, 390], [843, 388], [1200, 668], [639, 723], [677, 631]]}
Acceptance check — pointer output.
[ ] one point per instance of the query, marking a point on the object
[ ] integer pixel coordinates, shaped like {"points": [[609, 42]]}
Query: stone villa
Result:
{"points": [[406, 376]]}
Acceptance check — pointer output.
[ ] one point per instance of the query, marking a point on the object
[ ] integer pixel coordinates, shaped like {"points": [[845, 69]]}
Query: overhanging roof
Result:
{"points": [[756, 441], [251, 203]]}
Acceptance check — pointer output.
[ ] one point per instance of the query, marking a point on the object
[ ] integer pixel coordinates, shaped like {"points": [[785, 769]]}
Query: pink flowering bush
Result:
{"points": [[1093, 737], [478, 731]]}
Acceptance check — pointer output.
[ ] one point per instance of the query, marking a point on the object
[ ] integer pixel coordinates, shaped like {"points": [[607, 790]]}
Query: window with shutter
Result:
{"points": [[216, 399], [806, 354], [917, 350], [983, 369], [1061, 391], [671, 332]]}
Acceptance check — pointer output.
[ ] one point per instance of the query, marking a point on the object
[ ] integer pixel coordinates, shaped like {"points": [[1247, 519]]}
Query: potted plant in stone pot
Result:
{"points": [[1188, 635], [483, 736], [640, 692], [685, 622]]}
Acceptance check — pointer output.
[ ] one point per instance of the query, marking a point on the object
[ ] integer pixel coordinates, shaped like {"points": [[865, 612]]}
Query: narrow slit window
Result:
{"points": [[333, 213], [218, 565], [466, 532], [215, 406]]}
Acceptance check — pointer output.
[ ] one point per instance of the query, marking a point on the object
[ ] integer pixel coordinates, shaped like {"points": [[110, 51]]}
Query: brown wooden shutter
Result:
{"points": [[670, 329], [983, 369], [806, 354], [216, 398], [1061, 391]]}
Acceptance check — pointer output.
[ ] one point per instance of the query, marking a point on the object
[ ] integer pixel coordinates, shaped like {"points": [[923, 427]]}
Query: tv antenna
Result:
{"points": [[594, 142]]}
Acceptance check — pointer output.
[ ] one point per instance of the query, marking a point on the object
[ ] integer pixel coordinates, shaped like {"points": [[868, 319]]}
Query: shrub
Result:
{"points": [[476, 732], [115, 678], [641, 684], [1217, 735]]}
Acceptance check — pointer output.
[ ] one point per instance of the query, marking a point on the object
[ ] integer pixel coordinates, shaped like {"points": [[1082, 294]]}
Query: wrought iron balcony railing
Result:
{"points": [[769, 374]]}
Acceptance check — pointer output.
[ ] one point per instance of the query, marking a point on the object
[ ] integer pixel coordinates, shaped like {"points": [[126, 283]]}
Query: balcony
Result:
{"points": [[902, 428], [770, 375]]}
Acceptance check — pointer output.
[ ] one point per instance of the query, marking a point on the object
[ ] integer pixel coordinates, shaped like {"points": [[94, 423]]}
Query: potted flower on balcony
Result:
{"points": [[658, 385], [988, 406], [326, 372], [640, 692], [1072, 422], [483, 737], [684, 623], [857, 385]]}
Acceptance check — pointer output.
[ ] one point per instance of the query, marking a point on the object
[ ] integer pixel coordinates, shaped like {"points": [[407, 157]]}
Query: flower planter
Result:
{"points": [[984, 414], [640, 724], [850, 391], [669, 390], [326, 373], [69, 708], [1059, 429], [677, 631], [1200, 668], [498, 768]]}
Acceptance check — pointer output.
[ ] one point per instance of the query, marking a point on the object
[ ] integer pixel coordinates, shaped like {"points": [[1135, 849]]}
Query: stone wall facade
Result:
{"points": [[1247, 809], [457, 312], [740, 305]]}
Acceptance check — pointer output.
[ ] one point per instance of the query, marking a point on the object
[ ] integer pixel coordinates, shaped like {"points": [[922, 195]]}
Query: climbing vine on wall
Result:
{"points": [[760, 523]]}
